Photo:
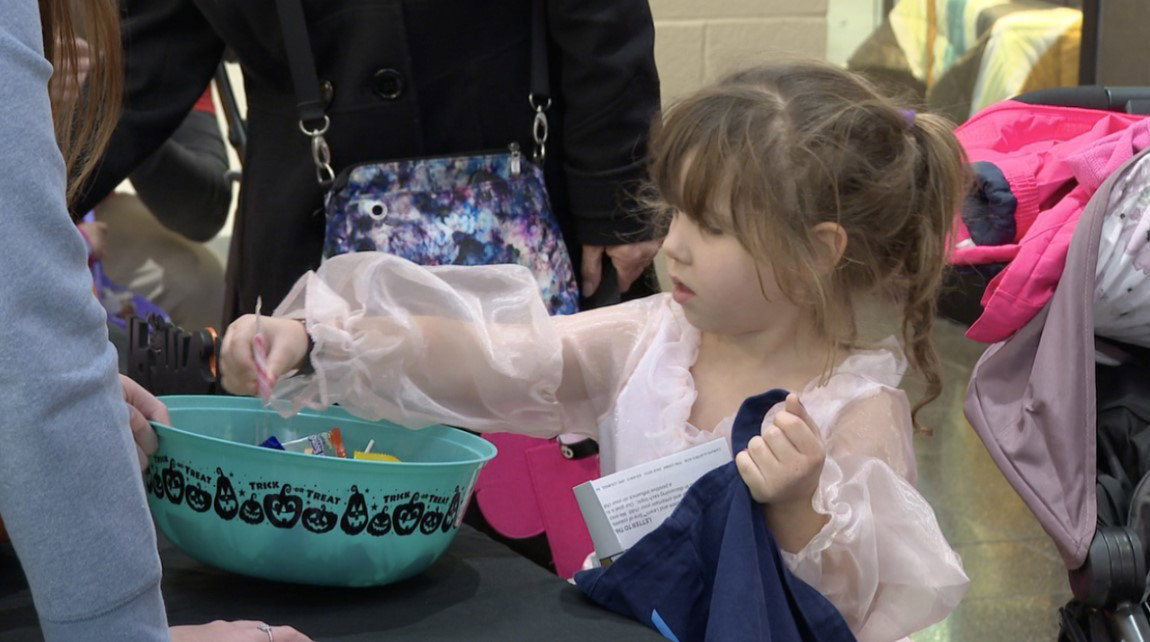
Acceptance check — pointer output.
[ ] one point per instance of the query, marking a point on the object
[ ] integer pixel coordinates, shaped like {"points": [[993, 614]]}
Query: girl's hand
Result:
{"points": [[286, 341], [242, 631], [783, 465]]}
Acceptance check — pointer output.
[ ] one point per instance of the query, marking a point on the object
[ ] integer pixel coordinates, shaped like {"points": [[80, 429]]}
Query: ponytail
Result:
{"points": [[940, 179]]}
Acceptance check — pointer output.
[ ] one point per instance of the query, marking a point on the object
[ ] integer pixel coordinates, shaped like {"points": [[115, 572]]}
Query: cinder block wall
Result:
{"points": [[697, 41]]}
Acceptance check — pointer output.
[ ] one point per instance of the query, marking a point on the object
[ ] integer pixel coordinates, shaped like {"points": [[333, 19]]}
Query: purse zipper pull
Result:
{"points": [[515, 156]]}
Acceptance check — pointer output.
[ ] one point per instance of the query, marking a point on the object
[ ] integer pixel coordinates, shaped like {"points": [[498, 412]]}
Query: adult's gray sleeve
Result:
{"points": [[71, 495]]}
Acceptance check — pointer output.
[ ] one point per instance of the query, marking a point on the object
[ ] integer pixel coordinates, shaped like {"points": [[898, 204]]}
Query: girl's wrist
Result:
{"points": [[305, 365], [798, 505], [794, 522]]}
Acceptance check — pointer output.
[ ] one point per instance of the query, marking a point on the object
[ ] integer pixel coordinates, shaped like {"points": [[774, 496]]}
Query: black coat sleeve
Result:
{"points": [[185, 183], [603, 51], [171, 53]]}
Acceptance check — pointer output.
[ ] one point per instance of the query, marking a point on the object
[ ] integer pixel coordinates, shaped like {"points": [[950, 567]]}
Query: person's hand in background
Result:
{"points": [[629, 261], [96, 234], [65, 84]]}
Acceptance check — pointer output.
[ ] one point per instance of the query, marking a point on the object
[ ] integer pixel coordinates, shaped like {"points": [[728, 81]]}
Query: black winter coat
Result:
{"points": [[407, 78]]}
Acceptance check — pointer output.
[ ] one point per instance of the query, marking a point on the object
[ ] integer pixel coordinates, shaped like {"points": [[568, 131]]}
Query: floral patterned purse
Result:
{"points": [[476, 209]]}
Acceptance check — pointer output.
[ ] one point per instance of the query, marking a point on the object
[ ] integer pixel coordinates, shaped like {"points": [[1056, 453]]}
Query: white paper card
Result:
{"points": [[621, 508]]}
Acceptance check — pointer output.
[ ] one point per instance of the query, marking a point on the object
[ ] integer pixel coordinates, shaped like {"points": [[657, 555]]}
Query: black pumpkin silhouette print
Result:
{"points": [[197, 498], [452, 511], [251, 512], [380, 524], [318, 520], [355, 515], [283, 509], [430, 522], [405, 518], [157, 484], [173, 483], [226, 503]]}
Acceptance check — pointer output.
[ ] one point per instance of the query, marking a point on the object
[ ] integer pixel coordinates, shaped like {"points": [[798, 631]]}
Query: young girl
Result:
{"points": [[789, 191]]}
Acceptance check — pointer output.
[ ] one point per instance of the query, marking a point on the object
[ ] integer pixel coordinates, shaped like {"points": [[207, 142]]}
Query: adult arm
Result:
{"points": [[185, 183], [609, 91], [170, 56], [70, 489]]}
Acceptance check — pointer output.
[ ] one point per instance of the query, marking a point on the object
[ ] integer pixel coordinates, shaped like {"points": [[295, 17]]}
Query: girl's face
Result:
{"points": [[721, 287]]}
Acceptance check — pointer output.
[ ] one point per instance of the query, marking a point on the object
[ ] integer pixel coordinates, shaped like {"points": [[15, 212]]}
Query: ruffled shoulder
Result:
{"points": [[665, 375], [865, 372]]}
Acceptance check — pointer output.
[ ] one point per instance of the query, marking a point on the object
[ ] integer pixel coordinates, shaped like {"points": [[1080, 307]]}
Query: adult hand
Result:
{"points": [[142, 406], [239, 631], [65, 83], [286, 341], [97, 236], [629, 260], [783, 464]]}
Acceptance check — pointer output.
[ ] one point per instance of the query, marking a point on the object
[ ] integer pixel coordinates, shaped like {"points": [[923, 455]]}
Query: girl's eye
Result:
{"points": [[712, 230]]}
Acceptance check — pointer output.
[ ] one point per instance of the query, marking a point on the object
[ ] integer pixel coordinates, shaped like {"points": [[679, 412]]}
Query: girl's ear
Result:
{"points": [[831, 243]]}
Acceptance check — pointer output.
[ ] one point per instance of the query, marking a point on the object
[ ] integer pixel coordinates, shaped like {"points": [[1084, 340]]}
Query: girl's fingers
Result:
{"points": [[796, 407], [237, 364], [779, 442], [752, 475], [287, 343], [800, 429]]}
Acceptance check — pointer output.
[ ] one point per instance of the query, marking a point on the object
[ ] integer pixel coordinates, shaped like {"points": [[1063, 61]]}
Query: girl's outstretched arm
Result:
{"points": [[469, 346]]}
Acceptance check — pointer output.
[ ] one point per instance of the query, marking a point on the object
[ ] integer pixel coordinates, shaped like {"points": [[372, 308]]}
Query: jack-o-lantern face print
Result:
{"points": [[406, 517], [283, 509], [173, 483], [226, 504], [251, 512], [197, 498], [355, 515], [318, 520]]}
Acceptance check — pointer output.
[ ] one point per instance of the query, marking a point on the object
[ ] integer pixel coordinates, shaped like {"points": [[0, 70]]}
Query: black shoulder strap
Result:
{"points": [[297, 45], [540, 73]]}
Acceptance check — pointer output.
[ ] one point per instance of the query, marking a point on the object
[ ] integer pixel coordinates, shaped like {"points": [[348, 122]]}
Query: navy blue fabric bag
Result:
{"points": [[712, 570]]}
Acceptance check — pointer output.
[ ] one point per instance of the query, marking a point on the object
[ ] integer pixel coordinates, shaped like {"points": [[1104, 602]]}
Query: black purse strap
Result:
{"points": [[314, 123]]}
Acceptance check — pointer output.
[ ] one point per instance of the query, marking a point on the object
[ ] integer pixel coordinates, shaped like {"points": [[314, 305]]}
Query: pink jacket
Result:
{"points": [[1054, 158]]}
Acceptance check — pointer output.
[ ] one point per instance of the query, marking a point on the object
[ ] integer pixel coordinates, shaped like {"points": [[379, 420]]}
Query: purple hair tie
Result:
{"points": [[909, 116]]}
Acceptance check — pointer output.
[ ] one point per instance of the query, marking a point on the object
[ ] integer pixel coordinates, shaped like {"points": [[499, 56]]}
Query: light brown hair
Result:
{"points": [[84, 126], [795, 144]]}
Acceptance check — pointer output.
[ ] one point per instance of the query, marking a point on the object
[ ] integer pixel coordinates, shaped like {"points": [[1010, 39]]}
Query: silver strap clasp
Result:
{"points": [[320, 152], [539, 129]]}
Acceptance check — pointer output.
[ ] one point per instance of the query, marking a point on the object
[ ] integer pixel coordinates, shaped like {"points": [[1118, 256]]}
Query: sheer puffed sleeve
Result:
{"points": [[881, 558], [467, 346]]}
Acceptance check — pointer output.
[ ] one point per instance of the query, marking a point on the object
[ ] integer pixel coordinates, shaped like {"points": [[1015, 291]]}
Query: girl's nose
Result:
{"points": [[674, 246]]}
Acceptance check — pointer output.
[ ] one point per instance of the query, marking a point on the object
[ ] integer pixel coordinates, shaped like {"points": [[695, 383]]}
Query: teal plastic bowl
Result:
{"points": [[225, 501]]}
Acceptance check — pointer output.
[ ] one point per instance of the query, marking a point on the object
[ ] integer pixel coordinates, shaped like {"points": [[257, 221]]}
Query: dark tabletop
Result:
{"points": [[478, 590]]}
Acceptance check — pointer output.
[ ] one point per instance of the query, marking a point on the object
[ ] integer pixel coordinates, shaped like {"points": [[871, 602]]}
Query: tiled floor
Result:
{"points": [[1017, 579]]}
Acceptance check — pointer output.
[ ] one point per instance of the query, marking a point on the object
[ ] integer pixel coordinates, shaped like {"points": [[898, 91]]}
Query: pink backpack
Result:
{"points": [[526, 490]]}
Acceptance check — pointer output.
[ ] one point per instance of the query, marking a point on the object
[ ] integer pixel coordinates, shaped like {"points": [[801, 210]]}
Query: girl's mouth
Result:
{"points": [[681, 294]]}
